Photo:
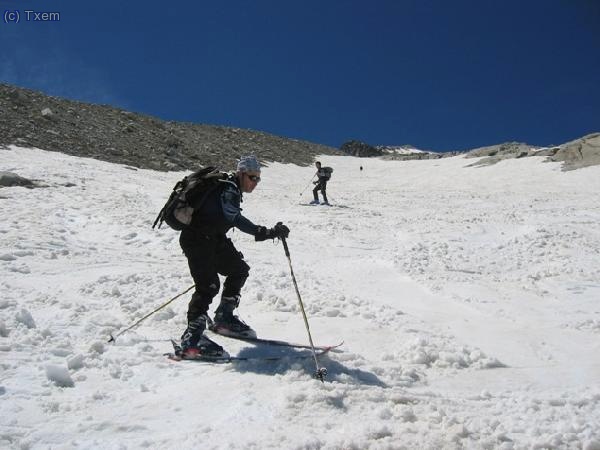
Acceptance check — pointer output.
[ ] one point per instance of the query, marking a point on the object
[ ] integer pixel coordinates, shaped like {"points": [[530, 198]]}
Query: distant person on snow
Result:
{"points": [[323, 176], [210, 253]]}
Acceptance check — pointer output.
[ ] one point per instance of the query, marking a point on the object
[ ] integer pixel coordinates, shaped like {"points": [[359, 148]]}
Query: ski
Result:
{"points": [[278, 342], [176, 356], [323, 204]]}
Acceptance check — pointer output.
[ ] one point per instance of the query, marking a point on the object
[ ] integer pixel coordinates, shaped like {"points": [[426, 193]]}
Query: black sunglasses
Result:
{"points": [[254, 178]]}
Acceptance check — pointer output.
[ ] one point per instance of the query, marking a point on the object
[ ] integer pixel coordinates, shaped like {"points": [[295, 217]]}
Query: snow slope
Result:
{"points": [[467, 299]]}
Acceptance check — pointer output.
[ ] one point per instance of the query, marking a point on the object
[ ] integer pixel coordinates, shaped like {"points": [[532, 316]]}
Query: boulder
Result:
{"points": [[8, 179]]}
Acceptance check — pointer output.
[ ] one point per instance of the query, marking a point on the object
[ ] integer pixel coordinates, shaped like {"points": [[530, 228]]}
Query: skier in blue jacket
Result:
{"points": [[211, 253]]}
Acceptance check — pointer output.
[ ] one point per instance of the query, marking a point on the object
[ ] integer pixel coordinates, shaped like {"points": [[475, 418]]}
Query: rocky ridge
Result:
{"points": [[32, 119], [582, 152]]}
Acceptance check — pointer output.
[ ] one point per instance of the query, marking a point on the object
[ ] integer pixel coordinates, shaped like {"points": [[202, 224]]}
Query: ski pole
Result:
{"points": [[321, 371], [112, 338], [310, 181]]}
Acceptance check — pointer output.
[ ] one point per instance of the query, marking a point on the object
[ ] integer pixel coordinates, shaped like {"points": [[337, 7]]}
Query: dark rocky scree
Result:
{"points": [[32, 119], [360, 149]]}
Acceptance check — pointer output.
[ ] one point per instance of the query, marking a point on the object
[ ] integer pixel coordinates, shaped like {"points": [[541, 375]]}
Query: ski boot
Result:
{"points": [[195, 344], [314, 202], [227, 324]]}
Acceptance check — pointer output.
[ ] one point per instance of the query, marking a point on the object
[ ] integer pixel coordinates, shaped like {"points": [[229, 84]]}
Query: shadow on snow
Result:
{"points": [[300, 359]]}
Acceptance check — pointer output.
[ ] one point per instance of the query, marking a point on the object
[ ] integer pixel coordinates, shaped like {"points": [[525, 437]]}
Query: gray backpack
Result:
{"points": [[187, 196]]}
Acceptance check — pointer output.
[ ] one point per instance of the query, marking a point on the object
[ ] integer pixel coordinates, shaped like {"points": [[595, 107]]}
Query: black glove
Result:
{"points": [[278, 231]]}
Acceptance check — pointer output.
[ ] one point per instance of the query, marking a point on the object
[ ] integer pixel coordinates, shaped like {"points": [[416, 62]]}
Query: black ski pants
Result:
{"points": [[209, 256], [321, 186]]}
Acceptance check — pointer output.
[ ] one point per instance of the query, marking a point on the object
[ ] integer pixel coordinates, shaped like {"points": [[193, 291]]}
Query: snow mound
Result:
{"points": [[59, 375]]}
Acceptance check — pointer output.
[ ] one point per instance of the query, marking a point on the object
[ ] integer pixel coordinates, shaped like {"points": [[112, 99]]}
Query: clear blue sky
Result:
{"points": [[440, 74]]}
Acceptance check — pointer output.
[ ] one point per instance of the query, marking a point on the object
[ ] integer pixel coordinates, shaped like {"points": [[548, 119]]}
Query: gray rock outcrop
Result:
{"points": [[494, 153], [582, 152], [579, 153]]}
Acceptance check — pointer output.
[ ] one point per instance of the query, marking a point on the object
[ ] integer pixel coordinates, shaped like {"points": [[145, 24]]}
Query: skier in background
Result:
{"points": [[323, 175]]}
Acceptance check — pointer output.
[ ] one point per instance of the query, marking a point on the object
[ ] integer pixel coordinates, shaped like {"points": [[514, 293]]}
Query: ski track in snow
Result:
{"points": [[467, 299]]}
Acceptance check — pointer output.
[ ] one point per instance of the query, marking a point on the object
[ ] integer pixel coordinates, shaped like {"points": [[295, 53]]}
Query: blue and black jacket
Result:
{"points": [[221, 211]]}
